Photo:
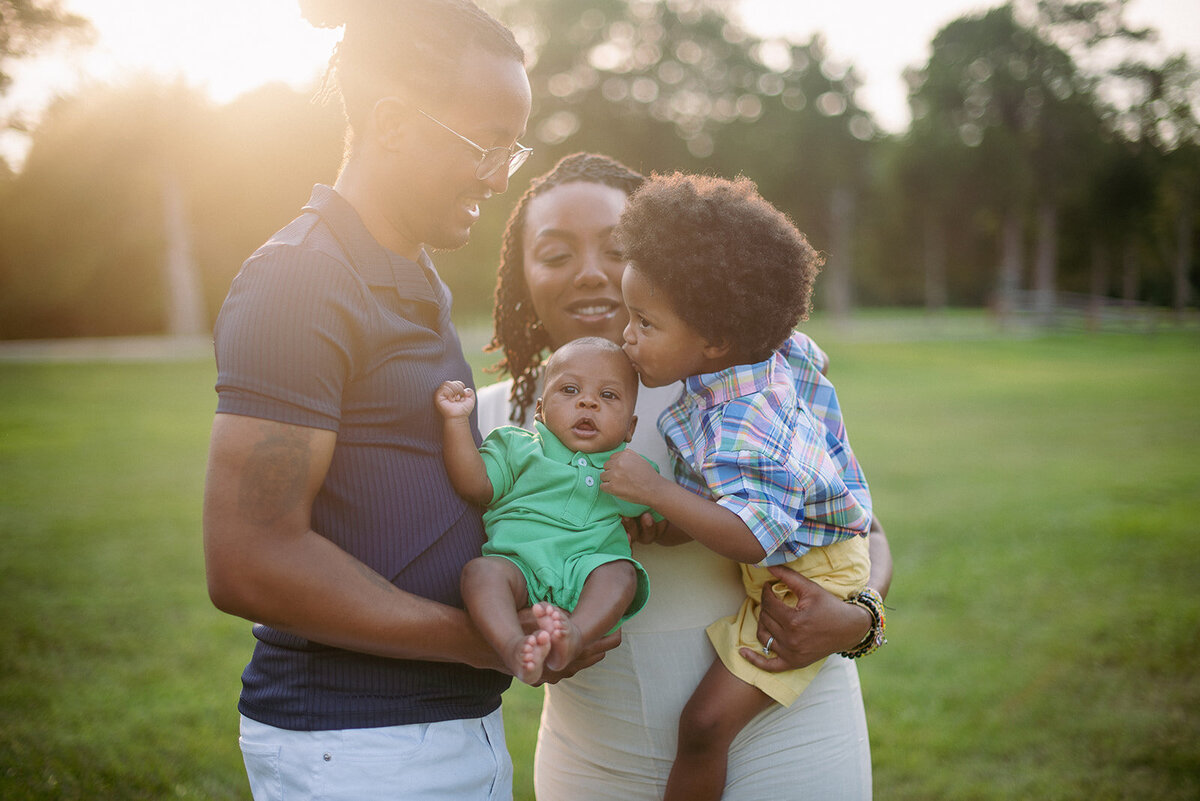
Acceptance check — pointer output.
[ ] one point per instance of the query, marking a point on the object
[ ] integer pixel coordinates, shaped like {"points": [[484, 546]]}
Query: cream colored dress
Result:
{"points": [[610, 731]]}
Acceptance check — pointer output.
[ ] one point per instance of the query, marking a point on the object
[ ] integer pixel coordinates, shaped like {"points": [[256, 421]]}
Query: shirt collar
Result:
{"points": [[712, 389], [377, 265], [557, 452]]}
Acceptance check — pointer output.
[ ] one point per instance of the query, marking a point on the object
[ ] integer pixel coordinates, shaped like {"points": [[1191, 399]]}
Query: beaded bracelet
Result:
{"points": [[871, 601]]}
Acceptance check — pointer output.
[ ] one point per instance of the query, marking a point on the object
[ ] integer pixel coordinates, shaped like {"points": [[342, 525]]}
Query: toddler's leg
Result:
{"points": [[720, 707], [493, 590], [606, 594]]}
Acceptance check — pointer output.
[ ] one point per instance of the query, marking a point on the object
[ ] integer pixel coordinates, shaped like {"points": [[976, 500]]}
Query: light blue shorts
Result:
{"points": [[455, 760]]}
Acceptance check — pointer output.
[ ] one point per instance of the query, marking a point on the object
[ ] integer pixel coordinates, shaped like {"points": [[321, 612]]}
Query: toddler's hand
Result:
{"points": [[454, 399], [627, 475]]}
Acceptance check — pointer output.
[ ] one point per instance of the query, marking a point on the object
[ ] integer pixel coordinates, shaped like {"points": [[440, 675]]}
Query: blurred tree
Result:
{"points": [[82, 230], [1160, 120], [1024, 117], [678, 84], [27, 26], [260, 156]]}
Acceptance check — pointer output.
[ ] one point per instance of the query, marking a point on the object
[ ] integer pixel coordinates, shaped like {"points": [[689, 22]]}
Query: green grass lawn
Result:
{"points": [[1042, 497]]}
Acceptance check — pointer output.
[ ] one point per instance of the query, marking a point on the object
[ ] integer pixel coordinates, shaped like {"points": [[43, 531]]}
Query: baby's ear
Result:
{"points": [[632, 426]]}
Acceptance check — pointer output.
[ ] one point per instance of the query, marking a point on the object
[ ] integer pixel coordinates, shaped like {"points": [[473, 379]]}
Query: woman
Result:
{"points": [[328, 517], [609, 732]]}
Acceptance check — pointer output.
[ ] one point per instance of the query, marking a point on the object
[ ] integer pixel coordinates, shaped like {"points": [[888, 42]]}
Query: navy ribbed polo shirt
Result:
{"points": [[323, 327]]}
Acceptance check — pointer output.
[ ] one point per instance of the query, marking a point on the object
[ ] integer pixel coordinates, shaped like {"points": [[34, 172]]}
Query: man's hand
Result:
{"points": [[592, 652]]}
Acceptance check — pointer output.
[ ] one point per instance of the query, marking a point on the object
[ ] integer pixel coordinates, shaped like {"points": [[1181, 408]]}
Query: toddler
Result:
{"points": [[716, 282]]}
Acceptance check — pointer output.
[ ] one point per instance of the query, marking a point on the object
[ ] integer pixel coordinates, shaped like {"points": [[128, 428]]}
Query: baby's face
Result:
{"points": [[589, 399]]}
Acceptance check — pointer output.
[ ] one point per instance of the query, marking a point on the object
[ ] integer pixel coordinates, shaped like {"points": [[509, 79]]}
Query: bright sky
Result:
{"points": [[229, 46]]}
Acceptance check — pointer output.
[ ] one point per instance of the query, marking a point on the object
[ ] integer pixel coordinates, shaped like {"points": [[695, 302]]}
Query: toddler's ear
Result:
{"points": [[632, 426], [717, 349]]}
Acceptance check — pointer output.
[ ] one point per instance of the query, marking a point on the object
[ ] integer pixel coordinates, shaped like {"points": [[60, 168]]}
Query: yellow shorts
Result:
{"points": [[841, 568]]}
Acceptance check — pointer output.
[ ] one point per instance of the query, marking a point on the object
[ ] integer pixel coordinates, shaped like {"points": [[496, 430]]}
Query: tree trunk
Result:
{"points": [[935, 265], [1097, 285], [1183, 257], [1009, 280], [1045, 264], [840, 267], [1129, 276], [185, 302]]}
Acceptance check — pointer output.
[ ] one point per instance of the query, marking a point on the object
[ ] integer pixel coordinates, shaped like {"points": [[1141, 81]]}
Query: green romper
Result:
{"points": [[549, 516]]}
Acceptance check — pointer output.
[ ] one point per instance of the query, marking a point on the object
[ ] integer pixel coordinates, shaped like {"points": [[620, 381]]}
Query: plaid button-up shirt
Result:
{"points": [[767, 442]]}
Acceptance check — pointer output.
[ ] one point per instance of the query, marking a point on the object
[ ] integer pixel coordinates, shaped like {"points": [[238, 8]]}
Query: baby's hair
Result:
{"points": [[411, 44], [732, 266], [518, 331], [602, 345]]}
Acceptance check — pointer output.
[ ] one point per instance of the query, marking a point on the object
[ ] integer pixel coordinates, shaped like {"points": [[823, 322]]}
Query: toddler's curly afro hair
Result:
{"points": [[732, 266]]}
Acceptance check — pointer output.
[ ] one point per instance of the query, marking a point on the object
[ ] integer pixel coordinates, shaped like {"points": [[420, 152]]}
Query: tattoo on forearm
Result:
{"points": [[274, 477]]}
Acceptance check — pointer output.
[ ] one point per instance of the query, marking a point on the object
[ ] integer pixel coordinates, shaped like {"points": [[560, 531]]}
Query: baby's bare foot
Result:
{"points": [[566, 640], [528, 656]]}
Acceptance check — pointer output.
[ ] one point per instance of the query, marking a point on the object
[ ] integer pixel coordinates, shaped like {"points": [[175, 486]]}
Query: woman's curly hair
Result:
{"points": [[517, 330], [414, 44], [733, 267]]}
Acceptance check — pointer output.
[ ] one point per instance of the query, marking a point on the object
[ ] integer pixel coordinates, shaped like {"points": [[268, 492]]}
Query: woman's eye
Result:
{"points": [[569, 390], [555, 259]]}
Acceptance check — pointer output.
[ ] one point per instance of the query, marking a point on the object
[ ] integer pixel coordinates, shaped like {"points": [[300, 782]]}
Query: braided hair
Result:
{"points": [[518, 331], [411, 44]]}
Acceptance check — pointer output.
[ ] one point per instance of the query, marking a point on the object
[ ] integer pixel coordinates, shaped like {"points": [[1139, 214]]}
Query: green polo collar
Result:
{"points": [[557, 452]]}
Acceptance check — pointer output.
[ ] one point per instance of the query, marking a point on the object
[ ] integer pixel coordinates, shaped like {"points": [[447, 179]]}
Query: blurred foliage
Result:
{"points": [[28, 25], [1020, 166]]}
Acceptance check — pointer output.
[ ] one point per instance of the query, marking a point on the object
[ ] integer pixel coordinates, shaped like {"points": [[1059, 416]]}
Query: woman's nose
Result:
{"points": [[590, 274]]}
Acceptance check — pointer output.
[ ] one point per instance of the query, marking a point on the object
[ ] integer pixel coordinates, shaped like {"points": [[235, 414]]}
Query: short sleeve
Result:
{"points": [[285, 337], [752, 486], [497, 451]]}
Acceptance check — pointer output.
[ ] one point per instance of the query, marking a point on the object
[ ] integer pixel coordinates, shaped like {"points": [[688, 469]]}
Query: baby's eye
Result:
{"points": [[643, 322], [608, 394], [569, 389]]}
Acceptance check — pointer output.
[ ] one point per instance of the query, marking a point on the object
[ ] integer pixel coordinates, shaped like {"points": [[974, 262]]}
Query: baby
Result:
{"points": [[554, 539]]}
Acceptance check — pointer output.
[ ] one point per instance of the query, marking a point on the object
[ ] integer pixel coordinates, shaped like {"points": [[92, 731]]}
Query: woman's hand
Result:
{"points": [[818, 625]]}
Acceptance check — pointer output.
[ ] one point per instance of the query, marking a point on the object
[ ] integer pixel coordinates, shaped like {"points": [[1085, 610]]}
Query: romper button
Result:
{"points": [[581, 462], [328, 757], [589, 481]]}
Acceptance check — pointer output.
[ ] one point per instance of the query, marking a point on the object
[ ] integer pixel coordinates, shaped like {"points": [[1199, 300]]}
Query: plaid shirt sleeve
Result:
{"points": [[774, 462], [787, 490]]}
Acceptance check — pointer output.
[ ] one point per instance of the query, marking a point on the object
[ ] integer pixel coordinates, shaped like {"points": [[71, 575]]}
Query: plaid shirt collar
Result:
{"points": [[708, 390]]}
